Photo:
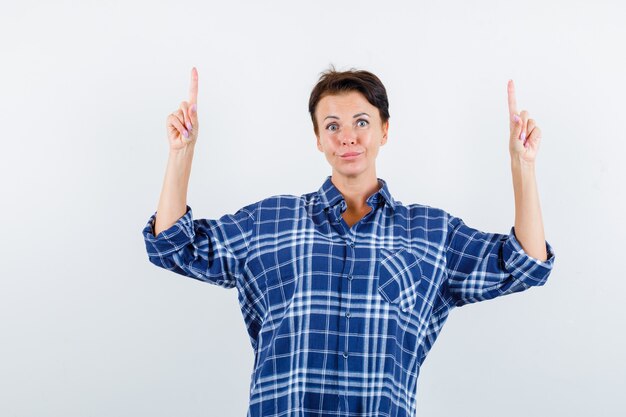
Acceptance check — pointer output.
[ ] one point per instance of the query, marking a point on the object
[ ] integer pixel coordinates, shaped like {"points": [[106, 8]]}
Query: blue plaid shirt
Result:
{"points": [[341, 318]]}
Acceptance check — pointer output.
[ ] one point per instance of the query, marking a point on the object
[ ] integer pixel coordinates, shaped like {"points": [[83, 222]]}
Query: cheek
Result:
{"points": [[324, 145], [328, 142]]}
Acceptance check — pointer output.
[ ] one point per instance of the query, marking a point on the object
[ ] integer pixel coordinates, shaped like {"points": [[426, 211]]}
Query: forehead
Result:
{"points": [[348, 102]]}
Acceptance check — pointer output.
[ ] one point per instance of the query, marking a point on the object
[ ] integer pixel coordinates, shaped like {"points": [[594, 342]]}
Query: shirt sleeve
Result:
{"points": [[210, 250], [481, 266]]}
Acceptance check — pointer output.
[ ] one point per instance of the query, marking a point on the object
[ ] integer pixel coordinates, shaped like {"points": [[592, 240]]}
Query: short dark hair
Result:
{"points": [[336, 82]]}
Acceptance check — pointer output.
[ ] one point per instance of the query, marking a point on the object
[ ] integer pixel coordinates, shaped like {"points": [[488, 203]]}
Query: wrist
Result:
{"points": [[182, 154], [521, 165]]}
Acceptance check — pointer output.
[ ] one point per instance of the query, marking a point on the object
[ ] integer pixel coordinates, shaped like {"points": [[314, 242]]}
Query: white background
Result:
{"points": [[90, 328]]}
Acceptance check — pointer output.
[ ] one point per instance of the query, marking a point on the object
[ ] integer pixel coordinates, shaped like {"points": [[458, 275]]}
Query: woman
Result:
{"points": [[344, 290]]}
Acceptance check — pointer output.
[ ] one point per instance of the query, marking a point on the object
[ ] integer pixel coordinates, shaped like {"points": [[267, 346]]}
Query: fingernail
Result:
{"points": [[188, 126], [516, 118], [193, 108], [523, 135], [186, 133]]}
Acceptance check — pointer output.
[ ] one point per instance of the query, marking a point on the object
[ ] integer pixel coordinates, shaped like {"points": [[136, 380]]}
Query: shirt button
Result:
{"points": [[351, 243], [350, 277], [345, 354], [348, 314]]}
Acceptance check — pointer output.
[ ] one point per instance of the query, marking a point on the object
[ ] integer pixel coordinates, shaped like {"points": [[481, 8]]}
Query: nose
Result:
{"points": [[348, 136]]}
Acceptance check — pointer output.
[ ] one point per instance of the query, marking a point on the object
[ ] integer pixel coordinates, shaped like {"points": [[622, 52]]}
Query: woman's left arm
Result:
{"points": [[523, 147]]}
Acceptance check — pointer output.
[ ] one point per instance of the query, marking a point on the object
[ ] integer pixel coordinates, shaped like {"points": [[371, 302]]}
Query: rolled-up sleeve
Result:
{"points": [[481, 266], [210, 250]]}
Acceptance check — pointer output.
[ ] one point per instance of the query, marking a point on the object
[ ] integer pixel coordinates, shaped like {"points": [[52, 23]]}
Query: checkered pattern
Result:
{"points": [[341, 318]]}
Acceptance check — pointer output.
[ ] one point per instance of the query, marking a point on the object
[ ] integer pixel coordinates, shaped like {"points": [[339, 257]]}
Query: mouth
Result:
{"points": [[350, 155]]}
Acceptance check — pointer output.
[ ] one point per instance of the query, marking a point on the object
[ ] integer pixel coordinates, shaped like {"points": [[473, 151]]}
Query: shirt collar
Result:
{"points": [[329, 195]]}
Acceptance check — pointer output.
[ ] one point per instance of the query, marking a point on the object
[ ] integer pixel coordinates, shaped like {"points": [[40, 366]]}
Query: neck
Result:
{"points": [[356, 190]]}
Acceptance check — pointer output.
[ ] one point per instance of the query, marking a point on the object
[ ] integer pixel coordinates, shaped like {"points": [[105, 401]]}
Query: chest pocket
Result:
{"points": [[400, 278]]}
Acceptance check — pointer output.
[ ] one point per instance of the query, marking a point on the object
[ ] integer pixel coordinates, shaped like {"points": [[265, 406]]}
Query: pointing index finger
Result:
{"points": [[193, 88], [512, 100]]}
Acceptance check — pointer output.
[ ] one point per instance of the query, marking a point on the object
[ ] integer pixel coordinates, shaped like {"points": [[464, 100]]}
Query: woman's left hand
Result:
{"points": [[525, 134]]}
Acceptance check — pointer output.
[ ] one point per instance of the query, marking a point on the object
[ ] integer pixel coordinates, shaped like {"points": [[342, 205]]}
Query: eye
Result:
{"points": [[331, 127], [362, 123]]}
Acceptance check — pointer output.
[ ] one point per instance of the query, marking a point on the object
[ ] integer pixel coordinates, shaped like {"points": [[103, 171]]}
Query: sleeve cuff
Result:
{"points": [[172, 239], [523, 266]]}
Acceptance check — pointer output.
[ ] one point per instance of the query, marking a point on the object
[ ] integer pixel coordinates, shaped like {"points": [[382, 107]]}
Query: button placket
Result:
{"points": [[349, 265]]}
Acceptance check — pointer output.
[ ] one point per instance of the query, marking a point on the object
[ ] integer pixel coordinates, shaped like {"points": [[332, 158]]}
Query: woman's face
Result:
{"points": [[350, 133]]}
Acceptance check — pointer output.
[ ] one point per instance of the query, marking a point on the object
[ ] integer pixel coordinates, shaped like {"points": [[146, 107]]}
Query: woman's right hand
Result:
{"points": [[182, 124]]}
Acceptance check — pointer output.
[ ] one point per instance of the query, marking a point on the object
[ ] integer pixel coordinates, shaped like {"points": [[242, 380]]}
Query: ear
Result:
{"points": [[319, 144], [385, 133]]}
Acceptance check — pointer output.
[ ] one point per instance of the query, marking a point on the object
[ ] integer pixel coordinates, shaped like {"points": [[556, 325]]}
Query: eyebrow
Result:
{"points": [[356, 115]]}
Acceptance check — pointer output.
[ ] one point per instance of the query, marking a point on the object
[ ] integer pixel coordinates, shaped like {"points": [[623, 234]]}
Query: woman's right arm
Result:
{"points": [[182, 131], [210, 250]]}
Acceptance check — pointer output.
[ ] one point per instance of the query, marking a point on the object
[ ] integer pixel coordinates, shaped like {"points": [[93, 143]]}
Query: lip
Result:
{"points": [[350, 155]]}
